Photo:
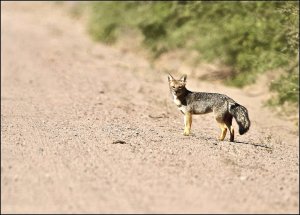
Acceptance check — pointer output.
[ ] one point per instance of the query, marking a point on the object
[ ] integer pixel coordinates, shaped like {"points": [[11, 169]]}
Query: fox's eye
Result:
{"points": [[173, 87]]}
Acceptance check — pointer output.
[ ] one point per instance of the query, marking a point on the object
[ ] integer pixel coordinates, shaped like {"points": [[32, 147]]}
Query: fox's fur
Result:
{"points": [[223, 107]]}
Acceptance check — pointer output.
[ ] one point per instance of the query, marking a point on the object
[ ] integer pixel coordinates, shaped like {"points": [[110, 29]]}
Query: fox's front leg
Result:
{"points": [[187, 123]]}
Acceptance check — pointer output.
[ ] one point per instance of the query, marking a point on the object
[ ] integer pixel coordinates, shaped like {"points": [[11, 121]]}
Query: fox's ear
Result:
{"points": [[170, 78], [183, 78]]}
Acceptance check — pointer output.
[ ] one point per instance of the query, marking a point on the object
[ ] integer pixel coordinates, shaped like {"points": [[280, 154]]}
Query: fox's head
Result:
{"points": [[177, 87]]}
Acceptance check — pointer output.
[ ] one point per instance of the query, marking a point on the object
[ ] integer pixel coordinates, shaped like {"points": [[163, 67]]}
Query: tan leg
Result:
{"points": [[187, 123], [223, 131]]}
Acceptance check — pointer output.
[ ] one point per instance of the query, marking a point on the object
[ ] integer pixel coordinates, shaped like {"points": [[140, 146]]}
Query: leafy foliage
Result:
{"points": [[251, 37]]}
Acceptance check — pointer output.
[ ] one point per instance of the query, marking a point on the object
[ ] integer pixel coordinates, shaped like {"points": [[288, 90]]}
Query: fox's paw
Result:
{"points": [[186, 133], [221, 138]]}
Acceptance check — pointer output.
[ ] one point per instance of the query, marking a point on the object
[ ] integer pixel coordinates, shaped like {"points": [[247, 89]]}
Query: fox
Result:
{"points": [[223, 107]]}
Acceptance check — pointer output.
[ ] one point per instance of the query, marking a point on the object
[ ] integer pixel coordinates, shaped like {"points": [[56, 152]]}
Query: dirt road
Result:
{"points": [[66, 100]]}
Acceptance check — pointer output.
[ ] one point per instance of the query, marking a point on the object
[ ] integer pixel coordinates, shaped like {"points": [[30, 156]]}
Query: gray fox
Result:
{"points": [[223, 107]]}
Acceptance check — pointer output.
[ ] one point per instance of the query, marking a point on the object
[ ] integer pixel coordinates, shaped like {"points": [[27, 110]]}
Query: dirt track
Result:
{"points": [[65, 100]]}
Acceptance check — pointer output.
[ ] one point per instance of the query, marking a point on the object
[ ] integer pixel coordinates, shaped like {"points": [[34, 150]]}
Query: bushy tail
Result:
{"points": [[240, 114]]}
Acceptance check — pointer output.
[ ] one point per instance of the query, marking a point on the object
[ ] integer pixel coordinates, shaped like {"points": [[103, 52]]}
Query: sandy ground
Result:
{"points": [[65, 100]]}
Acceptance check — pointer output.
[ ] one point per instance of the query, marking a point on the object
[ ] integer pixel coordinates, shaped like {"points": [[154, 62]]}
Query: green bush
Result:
{"points": [[251, 37], [287, 87]]}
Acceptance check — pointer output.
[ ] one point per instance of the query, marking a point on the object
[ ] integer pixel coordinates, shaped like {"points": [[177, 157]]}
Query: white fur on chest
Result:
{"points": [[181, 107]]}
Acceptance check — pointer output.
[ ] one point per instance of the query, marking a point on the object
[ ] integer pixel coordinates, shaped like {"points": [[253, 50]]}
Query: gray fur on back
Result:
{"points": [[202, 102]]}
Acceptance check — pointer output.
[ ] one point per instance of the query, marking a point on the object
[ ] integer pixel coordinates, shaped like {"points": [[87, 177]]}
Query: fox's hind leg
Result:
{"points": [[223, 130], [231, 134], [224, 120], [228, 122], [220, 114]]}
